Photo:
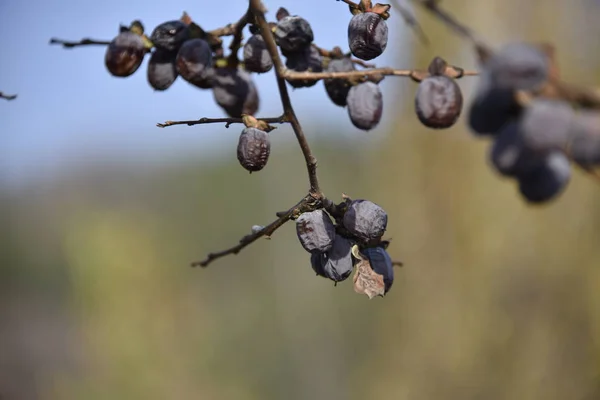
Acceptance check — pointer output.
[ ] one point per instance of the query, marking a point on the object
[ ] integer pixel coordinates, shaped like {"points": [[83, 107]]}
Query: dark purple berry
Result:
{"points": [[315, 231], [365, 105], [253, 149], [367, 35], [381, 263], [546, 181], [518, 66], [336, 264], [365, 220], [508, 153], [162, 71], [584, 146], [337, 89], [438, 102], [292, 34], [194, 62], [307, 60], [256, 56], [169, 36], [545, 125], [124, 54], [235, 92]]}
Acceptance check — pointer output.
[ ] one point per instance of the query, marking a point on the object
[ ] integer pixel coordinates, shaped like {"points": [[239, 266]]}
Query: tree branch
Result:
{"points": [[8, 96], [258, 10], [226, 121], [307, 204], [238, 34], [82, 42]]}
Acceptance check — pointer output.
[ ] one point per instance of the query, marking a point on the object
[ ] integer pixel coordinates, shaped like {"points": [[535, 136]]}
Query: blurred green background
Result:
{"points": [[497, 299]]}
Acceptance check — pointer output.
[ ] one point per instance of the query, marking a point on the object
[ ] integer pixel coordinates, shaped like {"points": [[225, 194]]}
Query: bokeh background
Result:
{"points": [[101, 213]]}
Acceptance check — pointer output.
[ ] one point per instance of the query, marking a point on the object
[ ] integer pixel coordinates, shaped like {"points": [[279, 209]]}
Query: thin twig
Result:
{"points": [[415, 74], [226, 121], [257, 9], [8, 96], [411, 21], [238, 30], [82, 42], [397, 264], [308, 203]]}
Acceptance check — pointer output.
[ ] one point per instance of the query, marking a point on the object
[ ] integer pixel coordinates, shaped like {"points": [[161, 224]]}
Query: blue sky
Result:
{"points": [[70, 109]]}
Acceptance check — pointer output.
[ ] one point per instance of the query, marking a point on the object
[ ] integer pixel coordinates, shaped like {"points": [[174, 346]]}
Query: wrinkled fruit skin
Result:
{"points": [[235, 92], [381, 263], [491, 107], [256, 55], [438, 102], [253, 149], [337, 89], [194, 62], [365, 220], [162, 71], [548, 180], [292, 34], [309, 60], [584, 147], [124, 54], [169, 36], [315, 231], [518, 66], [367, 35], [545, 125], [336, 264], [365, 105]]}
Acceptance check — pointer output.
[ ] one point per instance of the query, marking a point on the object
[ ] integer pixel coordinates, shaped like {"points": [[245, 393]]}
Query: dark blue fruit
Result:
{"points": [[169, 36], [124, 54], [518, 66], [584, 147], [509, 155], [253, 149], [256, 56], [546, 181], [381, 263], [235, 92], [365, 105], [337, 89], [292, 34], [315, 231], [162, 71], [365, 220], [545, 125], [194, 62], [307, 60], [337, 263], [438, 102], [367, 35]]}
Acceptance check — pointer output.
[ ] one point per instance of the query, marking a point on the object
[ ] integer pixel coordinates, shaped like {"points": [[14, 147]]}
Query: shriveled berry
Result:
{"points": [[336, 264], [315, 231], [253, 149], [162, 70], [292, 34], [381, 262], [124, 54], [545, 125], [170, 35], [235, 92], [438, 102], [518, 66], [365, 105], [194, 62], [365, 220], [546, 181], [307, 60], [367, 35], [584, 146], [491, 107], [256, 56], [337, 89], [508, 153]]}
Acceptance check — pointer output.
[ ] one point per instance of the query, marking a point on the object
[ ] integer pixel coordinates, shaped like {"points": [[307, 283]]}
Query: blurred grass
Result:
{"points": [[498, 300]]}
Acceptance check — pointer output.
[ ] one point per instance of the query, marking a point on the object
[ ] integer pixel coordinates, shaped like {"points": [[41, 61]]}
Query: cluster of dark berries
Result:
{"points": [[534, 138], [182, 48], [355, 239]]}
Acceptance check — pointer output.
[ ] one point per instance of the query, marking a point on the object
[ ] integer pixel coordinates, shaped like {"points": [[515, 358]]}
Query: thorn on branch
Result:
{"points": [[8, 96], [82, 42]]}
